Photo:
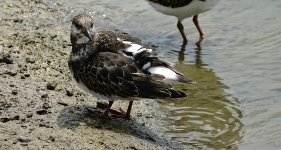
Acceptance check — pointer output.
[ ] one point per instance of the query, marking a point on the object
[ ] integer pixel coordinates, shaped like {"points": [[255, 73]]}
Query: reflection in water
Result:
{"points": [[208, 117]]}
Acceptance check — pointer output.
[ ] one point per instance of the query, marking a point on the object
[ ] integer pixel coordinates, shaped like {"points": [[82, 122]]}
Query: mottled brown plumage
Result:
{"points": [[101, 65]]}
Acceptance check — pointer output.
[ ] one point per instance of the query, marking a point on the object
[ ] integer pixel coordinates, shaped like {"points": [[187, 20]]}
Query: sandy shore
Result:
{"points": [[40, 107]]}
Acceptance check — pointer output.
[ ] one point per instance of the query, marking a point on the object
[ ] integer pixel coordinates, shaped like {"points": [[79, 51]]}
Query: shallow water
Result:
{"points": [[236, 101]]}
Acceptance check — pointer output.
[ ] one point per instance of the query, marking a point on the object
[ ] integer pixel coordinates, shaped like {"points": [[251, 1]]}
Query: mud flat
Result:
{"points": [[40, 107]]}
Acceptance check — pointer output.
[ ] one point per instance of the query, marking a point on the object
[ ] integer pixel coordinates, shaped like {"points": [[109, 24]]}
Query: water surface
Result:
{"points": [[236, 101]]}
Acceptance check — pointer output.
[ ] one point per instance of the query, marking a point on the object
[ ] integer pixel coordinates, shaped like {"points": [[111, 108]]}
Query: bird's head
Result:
{"points": [[82, 29]]}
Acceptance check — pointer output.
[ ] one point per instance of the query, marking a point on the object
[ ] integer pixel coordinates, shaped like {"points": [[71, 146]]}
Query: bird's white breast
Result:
{"points": [[193, 8]]}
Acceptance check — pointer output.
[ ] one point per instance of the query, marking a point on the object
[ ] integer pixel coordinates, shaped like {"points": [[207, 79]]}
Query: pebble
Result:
{"points": [[69, 92], [30, 60], [45, 124], [46, 106], [16, 117], [27, 75], [24, 144], [18, 20], [4, 119], [44, 96], [6, 59], [132, 146], [12, 72], [41, 112], [51, 86], [14, 92], [63, 103], [29, 115], [53, 139], [23, 139]]}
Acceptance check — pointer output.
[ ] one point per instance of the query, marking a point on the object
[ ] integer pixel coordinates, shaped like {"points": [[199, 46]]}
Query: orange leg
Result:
{"points": [[105, 113], [129, 110], [117, 113], [195, 21], [181, 29]]}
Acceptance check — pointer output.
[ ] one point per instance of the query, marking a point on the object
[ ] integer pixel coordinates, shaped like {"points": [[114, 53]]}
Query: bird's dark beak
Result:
{"points": [[89, 35]]}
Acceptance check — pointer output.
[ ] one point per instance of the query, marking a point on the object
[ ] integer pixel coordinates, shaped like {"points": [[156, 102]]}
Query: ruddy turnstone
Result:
{"points": [[183, 9], [114, 65]]}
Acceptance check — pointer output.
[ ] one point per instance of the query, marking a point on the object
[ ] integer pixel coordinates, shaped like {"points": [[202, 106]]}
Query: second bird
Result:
{"points": [[183, 9]]}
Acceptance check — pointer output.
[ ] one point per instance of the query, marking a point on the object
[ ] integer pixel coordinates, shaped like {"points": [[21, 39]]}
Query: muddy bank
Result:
{"points": [[40, 107]]}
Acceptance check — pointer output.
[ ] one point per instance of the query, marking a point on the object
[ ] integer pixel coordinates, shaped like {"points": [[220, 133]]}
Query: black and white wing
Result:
{"points": [[142, 55]]}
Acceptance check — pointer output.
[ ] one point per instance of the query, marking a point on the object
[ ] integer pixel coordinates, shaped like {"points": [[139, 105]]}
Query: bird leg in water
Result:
{"points": [[195, 21], [181, 29]]}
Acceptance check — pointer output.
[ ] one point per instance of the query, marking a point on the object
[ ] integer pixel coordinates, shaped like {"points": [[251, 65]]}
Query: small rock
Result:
{"points": [[44, 96], [6, 59], [24, 144], [45, 124], [29, 115], [22, 77], [146, 103], [51, 86], [42, 124], [8, 44], [132, 146], [4, 119], [41, 112], [46, 106], [54, 36], [16, 117], [53, 139], [69, 92], [139, 114], [149, 116], [63, 103], [27, 75], [30, 60], [14, 92], [23, 139], [31, 130], [12, 72], [18, 20]]}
